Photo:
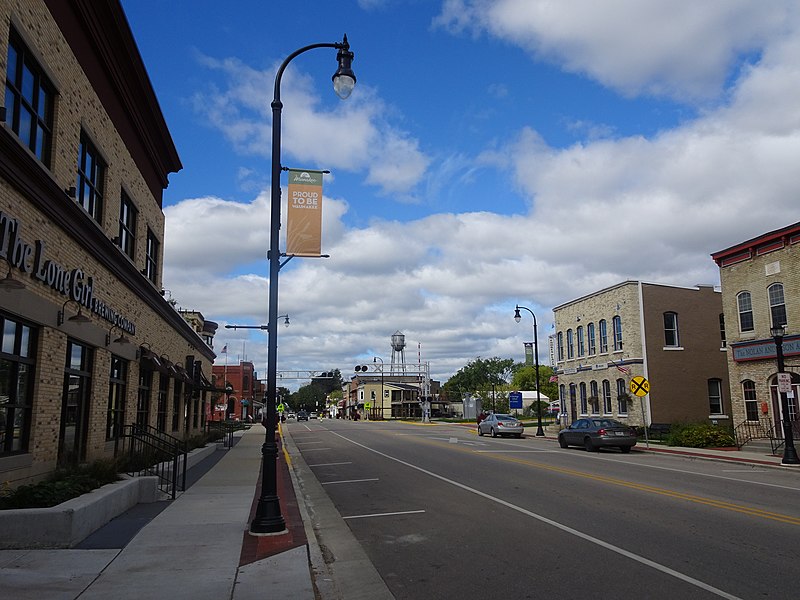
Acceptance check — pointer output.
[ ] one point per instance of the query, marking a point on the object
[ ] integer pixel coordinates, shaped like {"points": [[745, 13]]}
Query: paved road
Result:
{"points": [[442, 513]]}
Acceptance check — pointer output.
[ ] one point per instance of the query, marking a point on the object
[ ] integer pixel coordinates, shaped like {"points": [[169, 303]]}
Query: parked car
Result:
{"points": [[313, 415], [302, 416], [594, 433], [499, 424]]}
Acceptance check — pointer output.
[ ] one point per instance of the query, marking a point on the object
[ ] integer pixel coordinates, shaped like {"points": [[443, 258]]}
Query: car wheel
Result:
{"points": [[562, 442], [493, 432], [518, 436], [480, 431], [625, 449], [590, 447]]}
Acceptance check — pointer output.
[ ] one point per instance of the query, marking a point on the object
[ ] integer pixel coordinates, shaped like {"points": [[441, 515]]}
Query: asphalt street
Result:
{"points": [[442, 513]]}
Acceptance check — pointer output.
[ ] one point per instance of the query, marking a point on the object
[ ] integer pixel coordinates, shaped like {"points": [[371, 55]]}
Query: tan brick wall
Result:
{"points": [[78, 107]]}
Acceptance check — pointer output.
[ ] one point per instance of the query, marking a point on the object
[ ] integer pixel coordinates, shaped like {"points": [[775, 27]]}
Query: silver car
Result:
{"points": [[496, 425], [594, 433]]}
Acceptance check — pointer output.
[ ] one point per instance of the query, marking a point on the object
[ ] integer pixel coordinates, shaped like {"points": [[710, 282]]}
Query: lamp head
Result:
{"points": [[777, 331], [286, 321], [517, 316], [344, 80]]}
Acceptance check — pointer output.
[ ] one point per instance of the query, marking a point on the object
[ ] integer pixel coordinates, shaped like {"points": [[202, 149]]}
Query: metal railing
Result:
{"points": [[224, 430], [750, 430], [150, 451]]}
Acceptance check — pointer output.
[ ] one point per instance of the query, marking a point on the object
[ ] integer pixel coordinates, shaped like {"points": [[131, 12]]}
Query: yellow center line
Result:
{"points": [[721, 504]]}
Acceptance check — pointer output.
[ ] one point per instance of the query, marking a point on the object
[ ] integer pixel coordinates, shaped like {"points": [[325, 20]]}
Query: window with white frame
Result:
{"points": [[750, 400], [722, 337], [745, 304], [607, 407], [570, 345], [90, 178], [560, 345], [671, 336], [584, 403], [715, 396], [581, 342], [617, 325], [590, 339], [777, 306], [603, 331]]}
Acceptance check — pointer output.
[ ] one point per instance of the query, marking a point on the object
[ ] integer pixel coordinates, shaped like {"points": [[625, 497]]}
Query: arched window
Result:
{"points": [[777, 306], [750, 400], [671, 337], [607, 408], [584, 406], [617, 325], [590, 339], [745, 304], [603, 337]]}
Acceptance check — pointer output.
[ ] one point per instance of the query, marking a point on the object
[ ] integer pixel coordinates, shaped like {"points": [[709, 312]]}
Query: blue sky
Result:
{"points": [[493, 152]]}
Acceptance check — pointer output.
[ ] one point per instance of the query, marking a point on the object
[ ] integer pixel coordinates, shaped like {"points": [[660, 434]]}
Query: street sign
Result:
{"points": [[515, 400], [640, 386], [367, 405], [281, 407], [784, 383]]}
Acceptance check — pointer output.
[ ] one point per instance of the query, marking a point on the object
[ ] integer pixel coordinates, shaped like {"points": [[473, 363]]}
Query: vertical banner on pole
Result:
{"points": [[529, 353], [304, 213]]}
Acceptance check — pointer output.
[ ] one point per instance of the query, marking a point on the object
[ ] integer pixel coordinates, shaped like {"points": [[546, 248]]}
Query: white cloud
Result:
{"points": [[683, 48]]}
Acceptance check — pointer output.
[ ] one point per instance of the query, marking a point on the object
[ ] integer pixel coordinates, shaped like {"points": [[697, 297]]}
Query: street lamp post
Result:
{"points": [[518, 318], [789, 451], [268, 518]]}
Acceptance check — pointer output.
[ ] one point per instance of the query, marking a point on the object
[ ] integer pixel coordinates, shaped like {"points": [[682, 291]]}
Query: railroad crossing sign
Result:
{"points": [[640, 386]]}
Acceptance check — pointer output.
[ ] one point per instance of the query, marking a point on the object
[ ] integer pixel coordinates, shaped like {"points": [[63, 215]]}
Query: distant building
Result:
{"points": [[761, 288], [669, 335], [246, 398]]}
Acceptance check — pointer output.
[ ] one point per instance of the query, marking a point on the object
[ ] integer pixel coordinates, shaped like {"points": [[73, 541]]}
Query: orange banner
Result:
{"points": [[304, 213]]}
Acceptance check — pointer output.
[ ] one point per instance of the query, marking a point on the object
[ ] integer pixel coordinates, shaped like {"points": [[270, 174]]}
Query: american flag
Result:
{"points": [[224, 349], [553, 378], [625, 370]]}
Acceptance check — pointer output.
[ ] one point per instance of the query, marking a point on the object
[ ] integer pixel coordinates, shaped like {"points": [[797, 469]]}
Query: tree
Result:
{"points": [[487, 378], [524, 378]]}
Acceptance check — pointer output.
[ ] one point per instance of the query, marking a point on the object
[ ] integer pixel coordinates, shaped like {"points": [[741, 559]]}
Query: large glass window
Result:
{"points": [[117, 389], [715, 396], [777, 306], [750, 400], [617, 325], [127, 226], [603, 327], [581, 341], [745, 304], [671, 337], [91, 175], [622, 397], [161, 405], [590, 339], [584, 402], [75, 404], [177, 390], [143, 396], [29, 99], [16, 385]]}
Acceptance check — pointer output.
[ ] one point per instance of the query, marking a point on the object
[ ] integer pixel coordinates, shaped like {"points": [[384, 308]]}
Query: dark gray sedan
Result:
{"points": [[594, 433], [496, 425]]}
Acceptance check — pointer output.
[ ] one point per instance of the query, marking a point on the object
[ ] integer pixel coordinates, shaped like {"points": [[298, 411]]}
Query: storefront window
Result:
{"points": [[16, 385]]}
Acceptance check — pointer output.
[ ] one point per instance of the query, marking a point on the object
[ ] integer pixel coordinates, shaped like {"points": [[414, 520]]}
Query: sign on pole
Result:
{"points": [[304, 213], [515, 400], [784, 383], [640, 386]]}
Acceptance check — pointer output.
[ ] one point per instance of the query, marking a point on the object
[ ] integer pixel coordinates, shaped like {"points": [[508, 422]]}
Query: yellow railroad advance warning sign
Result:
{"points": [[281, 407], [367, 405], [640, 386]]}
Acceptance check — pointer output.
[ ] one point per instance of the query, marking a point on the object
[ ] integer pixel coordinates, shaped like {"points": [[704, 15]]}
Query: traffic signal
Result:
{"points": [[361, 368]]}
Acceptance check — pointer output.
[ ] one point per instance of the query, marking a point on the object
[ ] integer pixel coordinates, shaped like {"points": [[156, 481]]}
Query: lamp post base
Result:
{"points": [[268, 519]]}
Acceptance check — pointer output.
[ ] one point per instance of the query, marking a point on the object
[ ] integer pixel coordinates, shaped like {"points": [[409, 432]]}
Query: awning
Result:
{"points": [[152, 362]]}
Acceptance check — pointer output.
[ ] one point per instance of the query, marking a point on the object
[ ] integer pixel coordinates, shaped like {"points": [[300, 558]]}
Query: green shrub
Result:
{"points": [[64, 484], [700, 435]]}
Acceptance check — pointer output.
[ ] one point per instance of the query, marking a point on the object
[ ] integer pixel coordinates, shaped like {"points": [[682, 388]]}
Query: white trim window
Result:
{"points": [[671, 334], [617, 328], [590, 339], [715, 397], [603, 330], [745, 303], [777, 304]]}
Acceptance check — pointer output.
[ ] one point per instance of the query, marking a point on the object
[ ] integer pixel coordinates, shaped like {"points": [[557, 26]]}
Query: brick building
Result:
{"points": [[669, 335], [761, 288], [246, 396], [89, 343]]}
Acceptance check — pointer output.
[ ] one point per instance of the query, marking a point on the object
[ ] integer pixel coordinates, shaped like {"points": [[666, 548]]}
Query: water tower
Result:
{"points": [[398, 353]]}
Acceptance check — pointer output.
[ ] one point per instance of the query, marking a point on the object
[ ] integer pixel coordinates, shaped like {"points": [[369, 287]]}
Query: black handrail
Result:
{"points": [[750, 430], [153, 452]]}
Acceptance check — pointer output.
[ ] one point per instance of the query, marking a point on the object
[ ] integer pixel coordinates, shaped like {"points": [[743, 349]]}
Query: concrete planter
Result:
{"points": [[69, 523]]}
